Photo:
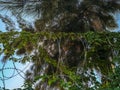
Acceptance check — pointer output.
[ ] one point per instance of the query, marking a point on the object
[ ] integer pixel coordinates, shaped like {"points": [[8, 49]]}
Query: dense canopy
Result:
{"points": [[69, 42]]}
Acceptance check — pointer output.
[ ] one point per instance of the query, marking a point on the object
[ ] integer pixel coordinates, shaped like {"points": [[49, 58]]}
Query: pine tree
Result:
{"points": [[65, 58]]}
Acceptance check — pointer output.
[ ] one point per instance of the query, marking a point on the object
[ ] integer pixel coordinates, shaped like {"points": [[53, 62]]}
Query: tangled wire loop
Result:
{"points": [[15, 73]]}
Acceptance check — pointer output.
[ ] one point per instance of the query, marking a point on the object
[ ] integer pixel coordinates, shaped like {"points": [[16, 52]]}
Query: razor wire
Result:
{"points": [[16, 72]]}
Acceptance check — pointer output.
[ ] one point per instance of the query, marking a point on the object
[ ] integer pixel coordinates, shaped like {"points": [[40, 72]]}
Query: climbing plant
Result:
{"points": [[72, 65], [69, 43]]}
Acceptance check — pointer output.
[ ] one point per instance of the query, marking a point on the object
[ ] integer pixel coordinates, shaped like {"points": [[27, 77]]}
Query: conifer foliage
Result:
{"points": [[69, 42]]}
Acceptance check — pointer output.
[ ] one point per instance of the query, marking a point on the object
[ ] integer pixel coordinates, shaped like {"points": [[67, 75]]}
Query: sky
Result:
{"points": [[17, 81], [117, 18]]}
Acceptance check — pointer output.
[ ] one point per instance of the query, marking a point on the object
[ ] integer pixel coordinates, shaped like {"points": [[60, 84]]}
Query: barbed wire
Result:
{"points": [[16, 72]]}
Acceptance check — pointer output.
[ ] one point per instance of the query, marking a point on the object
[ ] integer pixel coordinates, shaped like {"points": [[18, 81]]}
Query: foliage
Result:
{"points": [[113, 83], [66, 16], [97, 43], [67, 45]]}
